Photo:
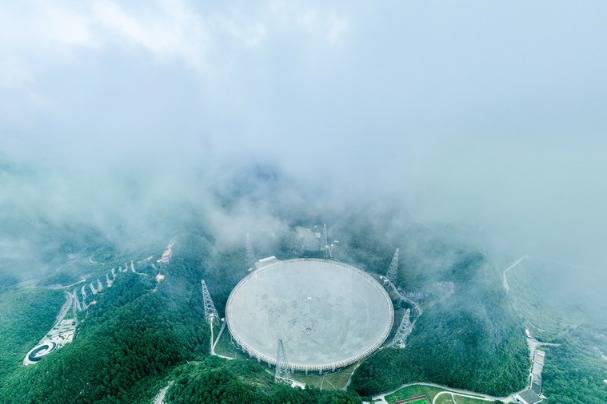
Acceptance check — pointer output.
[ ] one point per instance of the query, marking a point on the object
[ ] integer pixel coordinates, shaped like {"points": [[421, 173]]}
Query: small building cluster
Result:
{"points": [[533, 394], [60, 334], [64, 329]]}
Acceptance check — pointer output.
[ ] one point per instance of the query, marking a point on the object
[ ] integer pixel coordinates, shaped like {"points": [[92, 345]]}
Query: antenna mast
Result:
{"points": [[392, 273], [210, 312], [324, 244], [250, 253], [282, 366], [404, 329]]}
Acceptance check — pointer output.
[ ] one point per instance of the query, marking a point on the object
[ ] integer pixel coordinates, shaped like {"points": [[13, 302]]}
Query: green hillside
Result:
{"points": [[563, 311], [140, 335], [470, 340]]}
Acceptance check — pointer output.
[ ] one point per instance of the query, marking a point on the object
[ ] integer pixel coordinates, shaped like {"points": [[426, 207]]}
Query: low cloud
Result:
{"points": [[119, 116]]}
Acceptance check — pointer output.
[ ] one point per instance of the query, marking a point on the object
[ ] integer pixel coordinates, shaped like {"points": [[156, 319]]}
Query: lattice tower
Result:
{"points": [[75, 300], [324, 244], [283, 374], [210, 312], [250, 253], [323, 238], [83, 293], [392, 273], [404, 329]]}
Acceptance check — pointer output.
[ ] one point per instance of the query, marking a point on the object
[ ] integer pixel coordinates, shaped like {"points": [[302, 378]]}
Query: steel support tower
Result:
{"points": [[75, 300], [324, 244], [392, 273], [83, 293], [210, 312], [404, 329], [250, 253], [283, 374]]}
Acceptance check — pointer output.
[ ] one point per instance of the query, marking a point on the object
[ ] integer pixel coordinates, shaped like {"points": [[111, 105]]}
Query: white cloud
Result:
{"points": [[169, 31], [64, 26], [34, 35], [407, 102], [337, 29], [39, 35], [328, 26]]}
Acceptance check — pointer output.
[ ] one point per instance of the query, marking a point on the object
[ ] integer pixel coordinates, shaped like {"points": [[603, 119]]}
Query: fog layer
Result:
{"points": [[486, 116]]}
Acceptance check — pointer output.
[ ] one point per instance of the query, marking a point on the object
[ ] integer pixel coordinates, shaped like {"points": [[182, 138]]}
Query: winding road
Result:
{"points": [[504, 274], [465, 393], [418, 308], [524, 257]]}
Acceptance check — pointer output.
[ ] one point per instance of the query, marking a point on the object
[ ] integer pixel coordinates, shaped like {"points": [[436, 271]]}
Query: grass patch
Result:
{"points": [[469, 400], [446, 399], [417, 390], [449, 398]]}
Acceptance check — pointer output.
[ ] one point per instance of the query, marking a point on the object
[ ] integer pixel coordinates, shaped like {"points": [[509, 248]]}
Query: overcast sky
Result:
{"points": [[488, 114]]}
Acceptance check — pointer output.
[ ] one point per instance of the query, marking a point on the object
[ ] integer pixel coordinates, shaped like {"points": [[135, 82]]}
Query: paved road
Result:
{"points": [[504, 274], [467, 393], [415, 304], [215, 341], [453, 394], [159, 399], [524, 257]]}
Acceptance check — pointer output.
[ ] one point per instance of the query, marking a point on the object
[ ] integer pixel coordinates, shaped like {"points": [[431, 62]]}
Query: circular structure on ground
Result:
{"points": [[328, 314], [40, 351]]}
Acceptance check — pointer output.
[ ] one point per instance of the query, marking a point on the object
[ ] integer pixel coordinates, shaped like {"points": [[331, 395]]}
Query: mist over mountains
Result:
{"points": [[465, 117], [467, 135]]}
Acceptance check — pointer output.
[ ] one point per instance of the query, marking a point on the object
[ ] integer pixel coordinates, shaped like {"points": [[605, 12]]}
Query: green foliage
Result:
{"points": [[135, 339], [131, 335], [470, 340], [213, 380], [415, 390], [8, 282], [27, 314], [60, 278], [575, 372]]}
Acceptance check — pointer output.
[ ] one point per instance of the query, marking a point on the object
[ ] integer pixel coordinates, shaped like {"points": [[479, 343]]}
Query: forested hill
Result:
{"points": [[131, 337], [144, 332], [139, 335], [469, 339]]}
